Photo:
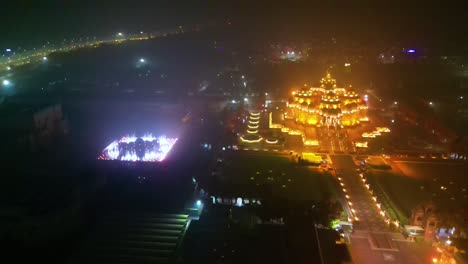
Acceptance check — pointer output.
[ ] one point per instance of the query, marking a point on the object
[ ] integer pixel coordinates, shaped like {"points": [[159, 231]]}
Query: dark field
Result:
{"points": [[414, 182], [250, 171]]}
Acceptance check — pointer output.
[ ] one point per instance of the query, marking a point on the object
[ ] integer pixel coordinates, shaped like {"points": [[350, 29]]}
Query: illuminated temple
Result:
{"points": [[327, 105]]}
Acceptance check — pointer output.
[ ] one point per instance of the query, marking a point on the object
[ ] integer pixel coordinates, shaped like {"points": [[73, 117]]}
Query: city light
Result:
{"points": [[120, 34], [395, 102], [8, 50], [411, 51], [251, 138], [8, 68], [347, 64], [142, 60], [198, 203], [311, 142], [382, 129], [246, 100], [44, 58], [361, 144], [271, 141], [6, 82], [431, 103]]}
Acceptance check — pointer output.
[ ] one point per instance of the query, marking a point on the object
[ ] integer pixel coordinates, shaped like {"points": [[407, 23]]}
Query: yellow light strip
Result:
{"points": [[251, 141]]}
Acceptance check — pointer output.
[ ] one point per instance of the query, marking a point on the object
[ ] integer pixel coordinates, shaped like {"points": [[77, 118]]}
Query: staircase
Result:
{"points": [[134, 238]]}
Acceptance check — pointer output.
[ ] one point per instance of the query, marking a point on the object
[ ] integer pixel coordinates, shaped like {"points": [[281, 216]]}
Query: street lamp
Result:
{"points": [[6, 83], [395, 102], [198, 203], [44, 58], [142, 60], [8, 68], [431, 103], [120, 34]]}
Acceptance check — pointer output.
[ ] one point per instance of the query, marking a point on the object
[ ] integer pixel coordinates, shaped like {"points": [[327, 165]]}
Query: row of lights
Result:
{"points": [[350, 204], [119, 34], [379, 206]]}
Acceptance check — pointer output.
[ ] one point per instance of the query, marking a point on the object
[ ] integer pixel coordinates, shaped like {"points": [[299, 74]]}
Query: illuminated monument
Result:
{"points": [[327, 105]]}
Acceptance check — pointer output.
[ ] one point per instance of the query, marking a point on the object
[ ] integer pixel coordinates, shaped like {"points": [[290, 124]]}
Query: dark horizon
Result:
{"points": [[31, 23]]}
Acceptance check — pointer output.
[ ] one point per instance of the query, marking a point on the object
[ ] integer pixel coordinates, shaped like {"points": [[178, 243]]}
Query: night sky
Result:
{"points": [[31, 21]]}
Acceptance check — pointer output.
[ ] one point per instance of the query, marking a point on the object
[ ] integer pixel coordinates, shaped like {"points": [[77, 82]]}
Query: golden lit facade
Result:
{"points": [[327, 105]]}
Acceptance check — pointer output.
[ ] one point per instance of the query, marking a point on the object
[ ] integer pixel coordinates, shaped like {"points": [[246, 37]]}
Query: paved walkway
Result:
{"points": [[372, 240]]}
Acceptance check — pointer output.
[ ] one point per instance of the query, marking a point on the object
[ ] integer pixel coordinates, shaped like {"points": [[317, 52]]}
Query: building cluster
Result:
{"points": [[327, 104]]}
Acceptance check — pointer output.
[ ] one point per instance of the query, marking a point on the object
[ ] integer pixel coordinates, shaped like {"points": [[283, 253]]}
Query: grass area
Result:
{"points": [[445, 181], [398, 194], [288, 180]]}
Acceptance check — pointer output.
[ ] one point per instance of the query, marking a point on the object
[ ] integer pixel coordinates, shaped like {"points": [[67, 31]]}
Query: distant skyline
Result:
{"points": [[26, 22]]}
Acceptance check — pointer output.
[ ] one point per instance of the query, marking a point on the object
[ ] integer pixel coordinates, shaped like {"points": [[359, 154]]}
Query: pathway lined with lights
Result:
{"points": [[372, 240], [366, 211]]}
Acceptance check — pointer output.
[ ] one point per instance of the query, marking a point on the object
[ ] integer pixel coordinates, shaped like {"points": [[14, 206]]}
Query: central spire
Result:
{"points": [[328, 82]]}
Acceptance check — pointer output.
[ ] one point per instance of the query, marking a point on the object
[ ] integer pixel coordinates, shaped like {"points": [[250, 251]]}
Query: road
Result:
{"points": [[365, 208], [372, 240], [334, 140]]}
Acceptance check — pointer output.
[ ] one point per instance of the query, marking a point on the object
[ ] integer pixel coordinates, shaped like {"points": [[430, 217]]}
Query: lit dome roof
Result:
{"points": [[330, 98]]}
